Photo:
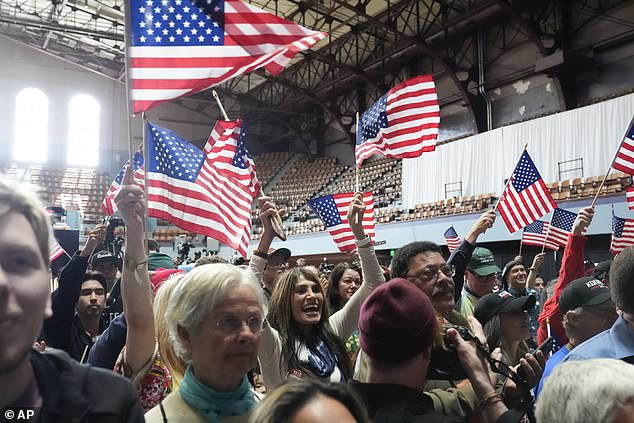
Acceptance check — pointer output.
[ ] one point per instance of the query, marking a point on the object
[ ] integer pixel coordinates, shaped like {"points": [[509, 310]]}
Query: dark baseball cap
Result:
{"points": [[501, 302], [583, 292], [285, 253], [482, 262], [103, 256]]}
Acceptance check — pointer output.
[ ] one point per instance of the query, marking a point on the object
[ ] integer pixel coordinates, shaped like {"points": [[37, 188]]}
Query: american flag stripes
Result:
{"points": [[108, 206], [535, 234], [561, 226], [629, 197], [333, 210], [208, 193], [452, 238], [180, 47], [622, 234], [624, 160], [526, 197], [403, 123], [56, 251]]}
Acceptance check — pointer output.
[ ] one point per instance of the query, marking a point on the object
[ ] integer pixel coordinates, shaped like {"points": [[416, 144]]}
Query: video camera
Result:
{"points": [[445, 364], [112, 242]]}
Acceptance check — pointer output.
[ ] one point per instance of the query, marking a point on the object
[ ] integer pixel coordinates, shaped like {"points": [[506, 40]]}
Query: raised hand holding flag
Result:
{"points": [[526, 197], [335, 211]]}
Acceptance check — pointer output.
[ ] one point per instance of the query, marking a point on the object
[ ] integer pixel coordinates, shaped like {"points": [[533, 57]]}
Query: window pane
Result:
{"points": [[83, 131], [31, 126]]}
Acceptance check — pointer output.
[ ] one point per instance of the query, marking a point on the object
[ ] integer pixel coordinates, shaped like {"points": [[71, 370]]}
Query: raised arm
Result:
{"points": [[258, 259], [461, 255], [135, 281], [64, 299], [571, 268], [345, 321], [538, 260]]}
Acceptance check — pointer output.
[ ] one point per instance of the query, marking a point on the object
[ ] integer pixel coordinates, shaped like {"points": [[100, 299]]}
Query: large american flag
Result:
{"points": [[624, 160], [180, 47], [208, 193], [536, 234], [622, 234], [403, 123], [561, 226], [108, 206], [333, 211], [452, 238], [526, 197]]}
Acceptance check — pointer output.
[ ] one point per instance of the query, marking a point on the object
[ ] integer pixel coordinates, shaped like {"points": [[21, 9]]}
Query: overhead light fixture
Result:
{"points": [[346, 119]]}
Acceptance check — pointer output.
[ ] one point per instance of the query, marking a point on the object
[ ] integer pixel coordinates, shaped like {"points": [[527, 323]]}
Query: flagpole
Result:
{"points": [[128, 84], [276, 220], [548, 231], [508, 181], [146, 169], [605, 177], [356, 171], [222, 109], [521, 239]]}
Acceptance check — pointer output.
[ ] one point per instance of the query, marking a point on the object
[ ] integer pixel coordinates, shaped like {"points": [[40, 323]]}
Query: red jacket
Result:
{"points": [[571, 268]]}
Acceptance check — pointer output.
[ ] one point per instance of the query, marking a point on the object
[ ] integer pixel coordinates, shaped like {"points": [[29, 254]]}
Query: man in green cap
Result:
{"points": [[480, 277]]}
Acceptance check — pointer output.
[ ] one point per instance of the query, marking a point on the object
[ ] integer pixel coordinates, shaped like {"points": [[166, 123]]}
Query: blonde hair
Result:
{"points": [[19, 200], [174, 363], [198, 293]]}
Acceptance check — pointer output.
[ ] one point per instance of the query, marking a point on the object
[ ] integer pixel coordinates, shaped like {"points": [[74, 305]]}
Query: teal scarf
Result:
{"points": [[215, 405]]}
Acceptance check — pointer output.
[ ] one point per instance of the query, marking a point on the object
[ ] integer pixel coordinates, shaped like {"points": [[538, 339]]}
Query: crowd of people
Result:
{"points": [[457, 339]]}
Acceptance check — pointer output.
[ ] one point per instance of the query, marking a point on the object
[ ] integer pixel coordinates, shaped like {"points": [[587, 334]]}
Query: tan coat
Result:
{"points": [[178, 411]]}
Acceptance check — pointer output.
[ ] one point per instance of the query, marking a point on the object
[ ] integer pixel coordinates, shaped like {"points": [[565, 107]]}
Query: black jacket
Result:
{"points": [[389, 403], [74, 393], [64, 330]]}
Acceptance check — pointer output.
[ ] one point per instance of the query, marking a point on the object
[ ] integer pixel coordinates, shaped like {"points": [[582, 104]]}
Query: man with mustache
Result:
{"points": [[422, 264]]}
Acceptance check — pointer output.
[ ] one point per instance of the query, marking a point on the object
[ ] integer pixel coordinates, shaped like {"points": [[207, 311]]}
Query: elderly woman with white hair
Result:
{"points": [[214, 317], [598, 391]]}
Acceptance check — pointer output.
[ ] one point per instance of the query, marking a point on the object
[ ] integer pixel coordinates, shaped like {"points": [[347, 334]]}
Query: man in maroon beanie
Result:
{"points": [[397, 327]]}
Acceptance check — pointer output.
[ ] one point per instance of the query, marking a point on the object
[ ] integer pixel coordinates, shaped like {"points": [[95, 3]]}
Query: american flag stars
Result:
{"points": [[173, 22], [525, 174], [173, 157], [327, 210], [374, 119]]}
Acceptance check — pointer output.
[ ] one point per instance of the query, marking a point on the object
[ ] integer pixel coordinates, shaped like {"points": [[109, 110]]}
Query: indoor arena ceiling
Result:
{"points": [[470, 46]]}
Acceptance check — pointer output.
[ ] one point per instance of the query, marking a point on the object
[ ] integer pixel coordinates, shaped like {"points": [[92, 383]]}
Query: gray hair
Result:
{"points": [[197, 295], [586, 391], [19, 200], [570, 327], [622, 280]]}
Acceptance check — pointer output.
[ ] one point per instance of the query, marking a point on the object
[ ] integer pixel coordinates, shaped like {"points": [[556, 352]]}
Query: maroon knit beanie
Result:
{"points": [[397, 322]]}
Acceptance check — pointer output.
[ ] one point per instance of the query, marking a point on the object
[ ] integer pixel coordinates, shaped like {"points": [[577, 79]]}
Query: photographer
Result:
{"points": [[397, 329], [422, 264]]}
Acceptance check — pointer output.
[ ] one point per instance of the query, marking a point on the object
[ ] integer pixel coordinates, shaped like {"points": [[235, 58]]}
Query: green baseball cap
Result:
{"points": [[482, 262]]}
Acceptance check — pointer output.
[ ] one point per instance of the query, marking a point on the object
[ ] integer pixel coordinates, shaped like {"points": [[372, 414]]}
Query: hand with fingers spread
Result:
{"points": [[531, 367], [355, 216]]}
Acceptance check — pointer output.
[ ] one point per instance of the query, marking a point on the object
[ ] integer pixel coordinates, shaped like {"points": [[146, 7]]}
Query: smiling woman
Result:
{"points": [[303, 340]]}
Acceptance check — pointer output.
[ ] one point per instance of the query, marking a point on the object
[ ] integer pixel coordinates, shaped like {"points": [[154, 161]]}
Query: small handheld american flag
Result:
{"points": [[452, 238]]}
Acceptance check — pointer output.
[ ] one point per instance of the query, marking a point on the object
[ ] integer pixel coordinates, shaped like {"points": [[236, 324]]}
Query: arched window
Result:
{"points": [[31, 126], [83, 131]]}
